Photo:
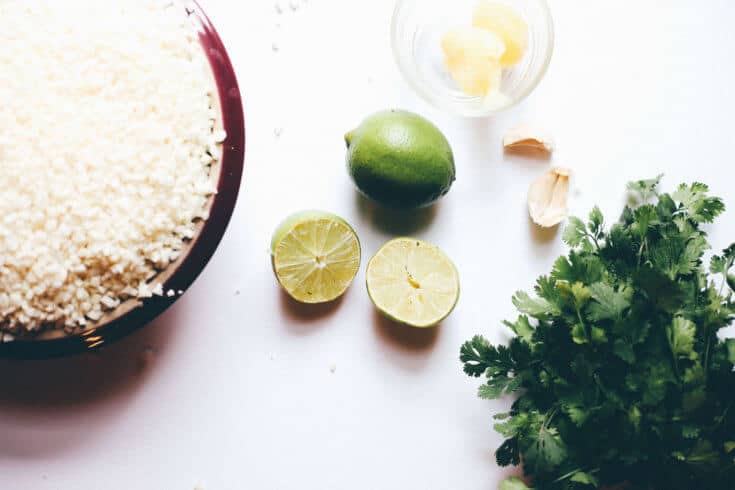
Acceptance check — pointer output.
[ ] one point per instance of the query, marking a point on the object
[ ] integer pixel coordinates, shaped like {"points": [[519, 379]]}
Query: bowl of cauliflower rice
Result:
{"points": [[121, 155]]}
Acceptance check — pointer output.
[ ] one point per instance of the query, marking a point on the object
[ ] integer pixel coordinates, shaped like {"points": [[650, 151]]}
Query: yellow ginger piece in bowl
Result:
{"points": [[472, 57], [506, 23]]}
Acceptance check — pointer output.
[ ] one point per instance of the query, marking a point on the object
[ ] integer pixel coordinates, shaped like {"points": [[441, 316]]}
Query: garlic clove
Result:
{"points": [[528, 137], [547, 197]]}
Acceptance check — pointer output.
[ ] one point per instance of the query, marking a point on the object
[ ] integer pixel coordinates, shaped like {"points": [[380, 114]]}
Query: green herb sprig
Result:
{"points": [[621, 377]]}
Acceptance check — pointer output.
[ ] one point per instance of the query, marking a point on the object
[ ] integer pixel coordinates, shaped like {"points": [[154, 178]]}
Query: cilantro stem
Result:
{"points": [[705, 364], [549, 417], [573, 472], [644, 243], [594, 239], [600, 389], [581, 322], [567, 475]]}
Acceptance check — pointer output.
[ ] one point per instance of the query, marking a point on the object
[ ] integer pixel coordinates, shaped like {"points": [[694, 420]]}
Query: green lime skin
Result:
{"points": [[400, 160]]}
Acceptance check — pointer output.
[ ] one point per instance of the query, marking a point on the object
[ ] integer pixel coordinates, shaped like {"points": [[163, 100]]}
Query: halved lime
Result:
{"points": [[413, 282], [315, 256]]}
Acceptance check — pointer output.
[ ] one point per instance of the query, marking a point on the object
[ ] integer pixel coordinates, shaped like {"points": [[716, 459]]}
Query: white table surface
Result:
{"points": [[232, 388]]}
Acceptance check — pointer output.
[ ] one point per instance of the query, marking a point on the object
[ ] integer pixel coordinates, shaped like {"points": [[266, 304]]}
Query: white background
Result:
{"points": [[235, 391]]}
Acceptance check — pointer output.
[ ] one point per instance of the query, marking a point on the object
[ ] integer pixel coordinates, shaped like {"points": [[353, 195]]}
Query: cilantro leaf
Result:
{"points": [[474, 355], [596, 219], [577, 414], [511, 425], [521, 327], [681, 334], [700, 207], [508, 453], [498, 386], [547, 450], [721, 264], [479, 357], [730, 343], [624, 351], [598, 335], [576, 295], [634, 416], [577, 268], [666, 208], [535, 307], [546, 288], [626, 381], [678, 255], [661, 291], [513, 483], [692, 255], [609, 304], [584, 478], [579, 334], [575, 232], [690, 432], [655, 384], [730, 279], [645, 189], [645, 217]]}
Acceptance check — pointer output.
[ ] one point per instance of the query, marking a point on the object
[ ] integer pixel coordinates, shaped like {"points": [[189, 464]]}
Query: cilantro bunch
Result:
{"points": [[621, 377]]}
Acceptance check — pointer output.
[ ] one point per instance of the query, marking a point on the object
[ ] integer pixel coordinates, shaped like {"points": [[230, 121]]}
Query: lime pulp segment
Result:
{"points": [[413, 282], [317, 258]]}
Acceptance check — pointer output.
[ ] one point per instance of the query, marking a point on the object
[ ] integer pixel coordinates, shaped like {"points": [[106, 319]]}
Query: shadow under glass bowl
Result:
{"points": [[179, 275], [416, 35]]}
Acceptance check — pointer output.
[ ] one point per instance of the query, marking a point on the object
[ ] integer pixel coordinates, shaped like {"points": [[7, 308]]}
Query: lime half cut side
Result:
{"points": [[413, 282], [315, 256]]}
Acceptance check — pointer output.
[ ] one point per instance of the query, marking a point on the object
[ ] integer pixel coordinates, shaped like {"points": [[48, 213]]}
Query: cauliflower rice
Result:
{"points": [[106, 143]]}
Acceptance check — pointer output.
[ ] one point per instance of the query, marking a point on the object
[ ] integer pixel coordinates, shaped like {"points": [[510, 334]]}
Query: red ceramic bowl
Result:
{"points": [[134, 314]]}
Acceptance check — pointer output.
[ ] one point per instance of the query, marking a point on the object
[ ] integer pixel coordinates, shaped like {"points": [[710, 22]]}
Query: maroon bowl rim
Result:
{"points": [[204, 246]]}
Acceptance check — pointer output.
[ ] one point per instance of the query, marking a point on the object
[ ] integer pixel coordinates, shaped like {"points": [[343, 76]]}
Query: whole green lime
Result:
{"points": [[400, 160]]}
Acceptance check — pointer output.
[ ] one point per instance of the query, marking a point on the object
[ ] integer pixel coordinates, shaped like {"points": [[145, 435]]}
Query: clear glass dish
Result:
{"points": [[417, 29]]}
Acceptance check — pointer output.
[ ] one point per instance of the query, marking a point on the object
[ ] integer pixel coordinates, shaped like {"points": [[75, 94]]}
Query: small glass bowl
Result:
{"points": [[417, 30]]}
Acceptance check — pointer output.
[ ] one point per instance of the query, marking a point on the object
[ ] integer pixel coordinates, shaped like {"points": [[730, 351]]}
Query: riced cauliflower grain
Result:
{"points": [[106, 143]]}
